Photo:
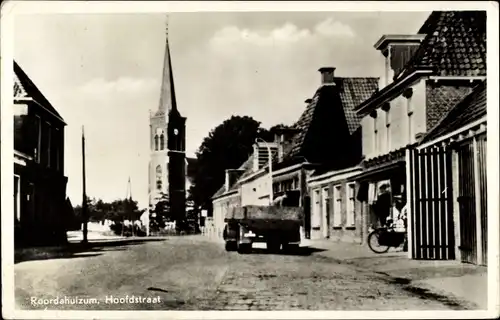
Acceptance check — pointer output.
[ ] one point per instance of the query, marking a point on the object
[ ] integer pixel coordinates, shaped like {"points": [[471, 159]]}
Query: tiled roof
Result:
{"points": [[355, 91], [455, 44], [352, 91], [470, 109], [32, 91], [220, 192]]}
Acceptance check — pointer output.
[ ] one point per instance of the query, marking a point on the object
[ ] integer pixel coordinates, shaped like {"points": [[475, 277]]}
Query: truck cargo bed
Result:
{"points": [[264, 214]]}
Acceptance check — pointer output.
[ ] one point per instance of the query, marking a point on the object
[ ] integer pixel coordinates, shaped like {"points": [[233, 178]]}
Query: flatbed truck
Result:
{"points": [[277, 226]]}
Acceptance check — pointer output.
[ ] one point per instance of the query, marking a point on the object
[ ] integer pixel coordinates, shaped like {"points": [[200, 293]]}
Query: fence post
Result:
{"points": [[408, 187], [477, 201]]}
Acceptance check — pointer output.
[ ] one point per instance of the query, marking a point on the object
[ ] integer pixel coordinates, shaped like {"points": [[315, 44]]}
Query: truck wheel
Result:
{"points": [[273, 246], [244, 248], [231, 246], [291, 248]]}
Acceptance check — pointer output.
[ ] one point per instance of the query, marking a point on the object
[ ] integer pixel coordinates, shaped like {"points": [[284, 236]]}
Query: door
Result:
{"points": [[467, 204], [325, 208]]}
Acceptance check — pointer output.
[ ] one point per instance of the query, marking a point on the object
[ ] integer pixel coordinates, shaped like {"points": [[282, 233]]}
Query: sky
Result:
{"points": [[103, 71]]}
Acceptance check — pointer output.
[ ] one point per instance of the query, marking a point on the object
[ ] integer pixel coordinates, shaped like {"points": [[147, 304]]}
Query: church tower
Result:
{"points": [[159, 168]]}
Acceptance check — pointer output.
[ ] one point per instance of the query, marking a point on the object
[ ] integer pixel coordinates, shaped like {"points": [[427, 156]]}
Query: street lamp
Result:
{"points": [[269, 155]]}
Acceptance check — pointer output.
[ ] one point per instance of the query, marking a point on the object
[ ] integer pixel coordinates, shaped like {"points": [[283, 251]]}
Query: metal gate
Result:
{"points": [[431, 204], [467, 204]]}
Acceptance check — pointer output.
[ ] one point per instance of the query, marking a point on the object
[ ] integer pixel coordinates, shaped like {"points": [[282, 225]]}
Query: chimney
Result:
{"points": [[227, 182], [232, 176], [397, 50], [327, 75], [255, 157], [308, 101]]}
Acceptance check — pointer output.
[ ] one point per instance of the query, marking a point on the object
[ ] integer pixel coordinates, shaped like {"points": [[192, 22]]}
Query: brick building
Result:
{"points": [[427, 74], [452, 156], [40, 207]]}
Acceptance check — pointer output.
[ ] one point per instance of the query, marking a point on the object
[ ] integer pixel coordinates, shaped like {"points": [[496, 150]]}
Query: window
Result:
{"points": [[47, 135], [162, 142], [38, 138], [409, 111], [316, 215], [156, 142], [350, 205], [158, 177], [326, 211], [337, 211]]}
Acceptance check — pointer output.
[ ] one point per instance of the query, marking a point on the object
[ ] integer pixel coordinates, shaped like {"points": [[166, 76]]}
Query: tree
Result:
{"points": [[118, 210], [162, 208], [227, 146]]}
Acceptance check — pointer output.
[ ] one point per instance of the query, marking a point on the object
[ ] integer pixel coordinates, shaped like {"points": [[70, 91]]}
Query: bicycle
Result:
{"points": [[382, 239]]}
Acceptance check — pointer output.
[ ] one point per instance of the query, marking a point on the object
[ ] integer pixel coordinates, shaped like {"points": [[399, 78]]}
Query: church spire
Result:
{"points": [[167, 95]]}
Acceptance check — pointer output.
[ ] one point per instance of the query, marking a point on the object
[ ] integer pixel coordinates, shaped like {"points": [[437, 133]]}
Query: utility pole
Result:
{"points": [[128, 202], [84, 197]]}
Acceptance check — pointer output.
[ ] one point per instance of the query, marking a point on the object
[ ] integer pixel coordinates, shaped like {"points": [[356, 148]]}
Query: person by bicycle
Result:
{"points": [[400, 215]]}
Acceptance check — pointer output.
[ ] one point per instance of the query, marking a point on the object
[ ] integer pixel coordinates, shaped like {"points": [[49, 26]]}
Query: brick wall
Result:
{"points": [[441, 97]]}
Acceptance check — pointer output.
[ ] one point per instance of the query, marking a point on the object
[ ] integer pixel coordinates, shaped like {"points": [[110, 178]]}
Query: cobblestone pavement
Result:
{"points": [[261, 281], [187, 273]]}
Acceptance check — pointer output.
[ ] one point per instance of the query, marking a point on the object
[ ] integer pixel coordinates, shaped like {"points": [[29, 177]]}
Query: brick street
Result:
{"points": [[189, 273]]}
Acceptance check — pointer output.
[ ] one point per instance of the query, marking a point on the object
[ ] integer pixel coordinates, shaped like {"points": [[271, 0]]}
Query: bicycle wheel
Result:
{"points": [[374, 244]]}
